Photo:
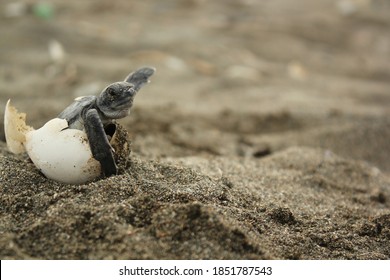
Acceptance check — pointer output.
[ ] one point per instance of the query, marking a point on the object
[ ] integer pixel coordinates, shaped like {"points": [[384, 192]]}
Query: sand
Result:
{"points": [[263, 135]]}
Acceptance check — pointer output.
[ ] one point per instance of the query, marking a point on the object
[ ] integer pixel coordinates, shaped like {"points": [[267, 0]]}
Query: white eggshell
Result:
{"points": [[15, 129], [62, 154]]}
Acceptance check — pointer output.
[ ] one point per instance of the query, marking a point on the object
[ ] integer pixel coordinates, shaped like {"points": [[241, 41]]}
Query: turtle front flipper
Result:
{"points": [[140, 77], [100, 146]]}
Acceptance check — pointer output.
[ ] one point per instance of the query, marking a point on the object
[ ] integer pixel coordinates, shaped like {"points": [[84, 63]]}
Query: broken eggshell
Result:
{"points": [[60, 153], [15, 129]]}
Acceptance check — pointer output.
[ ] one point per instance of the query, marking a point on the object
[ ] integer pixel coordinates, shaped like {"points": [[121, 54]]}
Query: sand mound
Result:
{"points": [[300, 203]]}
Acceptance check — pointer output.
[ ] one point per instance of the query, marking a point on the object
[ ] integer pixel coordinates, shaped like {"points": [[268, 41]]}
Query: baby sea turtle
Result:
{"points": [[95, 113]]}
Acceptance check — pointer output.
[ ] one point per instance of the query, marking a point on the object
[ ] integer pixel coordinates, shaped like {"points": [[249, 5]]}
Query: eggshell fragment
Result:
{"points": [[62, 154], [15, 129]]}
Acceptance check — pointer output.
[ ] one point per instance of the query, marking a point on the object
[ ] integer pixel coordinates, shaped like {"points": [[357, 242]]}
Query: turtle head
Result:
{"points": [[116, 99]]}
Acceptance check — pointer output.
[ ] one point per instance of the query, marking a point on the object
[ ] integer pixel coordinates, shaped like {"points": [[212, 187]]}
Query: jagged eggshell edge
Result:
{"points": [[15, 129]]}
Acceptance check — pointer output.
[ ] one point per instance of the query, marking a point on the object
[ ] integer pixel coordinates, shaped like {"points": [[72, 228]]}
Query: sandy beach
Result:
{"points": [[264, 133]]}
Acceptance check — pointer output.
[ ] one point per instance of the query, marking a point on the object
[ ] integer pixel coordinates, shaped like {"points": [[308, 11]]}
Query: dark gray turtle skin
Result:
{"points": [[94, 113]]}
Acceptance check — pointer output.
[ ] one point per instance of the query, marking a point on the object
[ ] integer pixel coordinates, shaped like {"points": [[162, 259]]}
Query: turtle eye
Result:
{"points": [[111, 91]]}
